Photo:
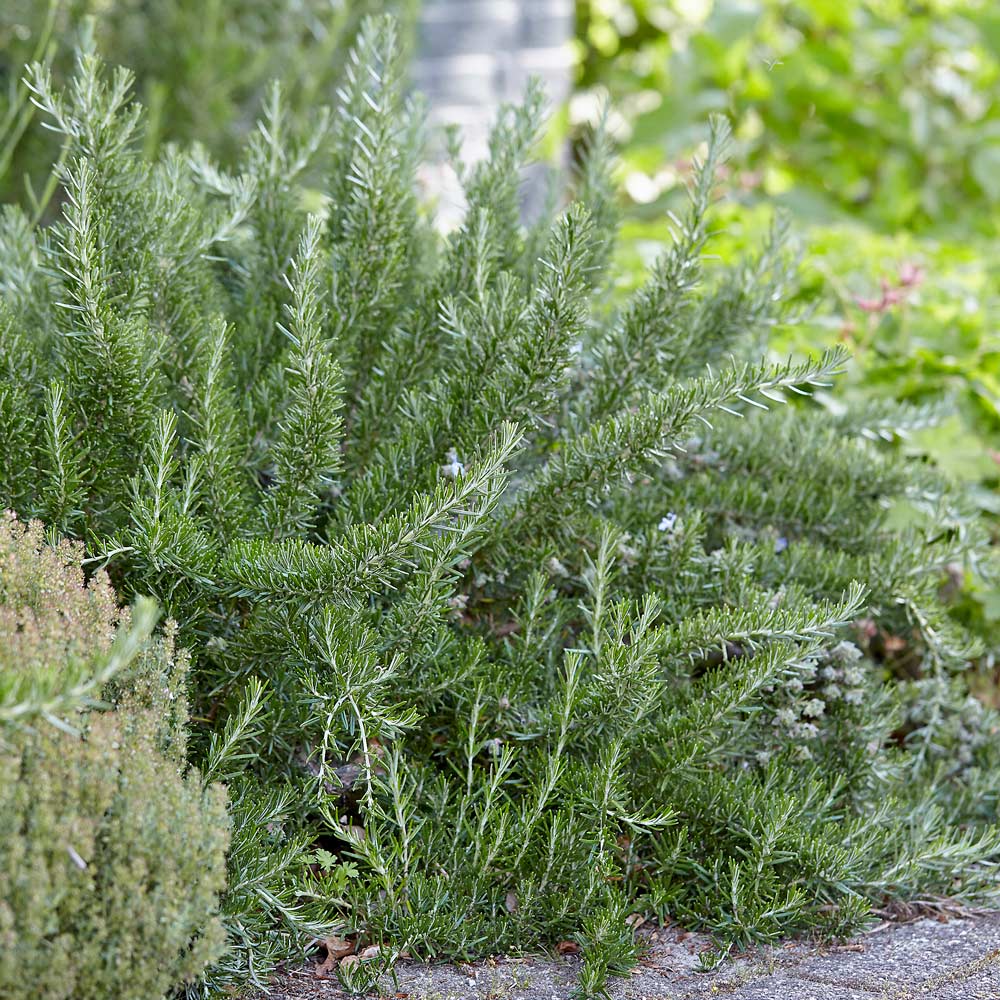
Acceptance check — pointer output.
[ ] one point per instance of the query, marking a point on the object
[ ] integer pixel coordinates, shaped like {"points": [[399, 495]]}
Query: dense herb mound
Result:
{"points": [[536, 613], [107, 849]]}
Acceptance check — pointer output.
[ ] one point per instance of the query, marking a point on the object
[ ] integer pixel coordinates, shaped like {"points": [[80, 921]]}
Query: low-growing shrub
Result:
{"points": [[526, 611], [111, 859]]}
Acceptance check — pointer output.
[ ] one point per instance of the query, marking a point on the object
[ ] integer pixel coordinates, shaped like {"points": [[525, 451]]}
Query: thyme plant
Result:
{"points": [[106, 845]]}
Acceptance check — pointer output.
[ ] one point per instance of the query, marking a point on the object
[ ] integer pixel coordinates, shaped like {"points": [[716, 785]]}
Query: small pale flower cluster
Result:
{"points": [[837, 677], [557, 568], [452, 467], [843, 674], [961, 727], [697, 454], [791, 723], [483, 580], [971, 729], [671, 470], [671, 527], [668, 522], [628, 554], [794, 720]]}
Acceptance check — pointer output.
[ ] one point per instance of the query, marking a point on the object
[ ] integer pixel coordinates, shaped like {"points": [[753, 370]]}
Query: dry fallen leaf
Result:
{"points": [[349, 960], [635, 920], [372, 951], [895, 644], [511, 903], [337, 948], [868, 628], [568, 948]]}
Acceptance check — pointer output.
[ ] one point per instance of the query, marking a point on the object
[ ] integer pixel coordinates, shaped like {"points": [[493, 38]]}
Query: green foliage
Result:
{"points": [[513, 612], [871, 107], [202, 68], [874, 124], [106, 848]]}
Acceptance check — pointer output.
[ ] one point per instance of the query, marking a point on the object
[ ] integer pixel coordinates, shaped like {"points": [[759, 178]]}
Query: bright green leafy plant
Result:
{"points": [[873, 108], [528, 613]]}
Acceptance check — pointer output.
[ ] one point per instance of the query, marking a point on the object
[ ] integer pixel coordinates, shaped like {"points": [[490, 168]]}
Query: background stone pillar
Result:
{"points": [[472, 55]]}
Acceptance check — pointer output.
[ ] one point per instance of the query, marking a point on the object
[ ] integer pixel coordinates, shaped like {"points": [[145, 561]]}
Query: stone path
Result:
{"points": [[927, 959]]}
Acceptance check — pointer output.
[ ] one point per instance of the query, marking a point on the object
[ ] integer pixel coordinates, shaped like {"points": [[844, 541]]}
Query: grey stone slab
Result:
{"points": [[551, 66], [925, 960], [541, 29], [907, 957], [512, 979], [461, 38], [461, 80], [475, 11], [983, 985], [979, 980], [656, 983], [484, 981], [783, 986]]}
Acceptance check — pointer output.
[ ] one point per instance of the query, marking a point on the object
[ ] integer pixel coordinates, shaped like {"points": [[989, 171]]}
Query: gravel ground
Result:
{"points": [[958, 959]]}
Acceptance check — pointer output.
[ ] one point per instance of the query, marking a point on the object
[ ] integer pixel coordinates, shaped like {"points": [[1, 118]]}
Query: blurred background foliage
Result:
{"points": [[876, 125], [887, 110], [201, 66]]}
